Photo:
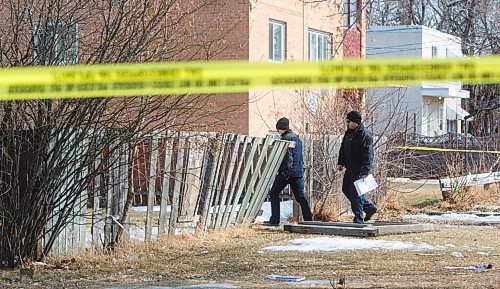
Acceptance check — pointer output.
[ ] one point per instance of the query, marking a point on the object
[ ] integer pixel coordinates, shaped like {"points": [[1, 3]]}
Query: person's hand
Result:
{"points": [[363, 176], [340, 167]]}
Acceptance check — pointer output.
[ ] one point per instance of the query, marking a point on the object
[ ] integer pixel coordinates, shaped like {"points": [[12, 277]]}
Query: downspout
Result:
{"points": [[361, 28]]}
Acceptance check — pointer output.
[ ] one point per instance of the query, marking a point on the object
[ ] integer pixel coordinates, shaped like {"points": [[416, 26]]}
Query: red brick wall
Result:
{"points": [[352, 43]]}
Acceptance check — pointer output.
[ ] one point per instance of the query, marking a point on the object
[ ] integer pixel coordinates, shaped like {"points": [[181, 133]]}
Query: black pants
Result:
{"points": [[359, 204], [297, 186]]}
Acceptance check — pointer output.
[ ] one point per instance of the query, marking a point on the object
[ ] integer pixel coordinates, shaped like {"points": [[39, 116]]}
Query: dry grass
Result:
{"points": [[326, 211], [235, 256], [468, 198]]}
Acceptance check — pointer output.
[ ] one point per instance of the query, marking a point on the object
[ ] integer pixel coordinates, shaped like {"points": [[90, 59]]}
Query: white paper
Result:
{"points": [[365, 185]]}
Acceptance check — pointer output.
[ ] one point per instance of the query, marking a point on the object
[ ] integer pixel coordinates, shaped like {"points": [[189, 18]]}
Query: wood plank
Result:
{"points": [[167, 170], [243, 181], [178, 177], [325, 230], [216, 161], [355, 225], [404, 229], [250, 188], [153, 165], [223, 207], [232, 201], [221, 172], [199, 181], [335, 224], [275, 158], [192, 184], [97, 219], [381, 228]]}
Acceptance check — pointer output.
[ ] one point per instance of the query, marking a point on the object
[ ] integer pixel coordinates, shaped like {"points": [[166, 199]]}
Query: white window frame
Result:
{"points": [[320, 45], [276, 48]]}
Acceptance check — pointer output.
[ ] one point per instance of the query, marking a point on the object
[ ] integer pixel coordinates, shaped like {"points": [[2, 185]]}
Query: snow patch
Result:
{"points": [[347, 244], [286, 211], [469, 218]]}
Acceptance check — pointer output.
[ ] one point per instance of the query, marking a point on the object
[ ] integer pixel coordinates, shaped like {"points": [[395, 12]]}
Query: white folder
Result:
{"points": [[365, 185]]}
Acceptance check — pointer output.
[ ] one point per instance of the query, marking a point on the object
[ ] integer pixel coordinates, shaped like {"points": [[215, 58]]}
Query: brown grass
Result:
{"points": [[468, 198], [235, 256]]}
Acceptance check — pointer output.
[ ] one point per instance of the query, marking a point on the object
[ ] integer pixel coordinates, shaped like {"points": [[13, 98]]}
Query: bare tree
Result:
{"points": [[49, 147]]}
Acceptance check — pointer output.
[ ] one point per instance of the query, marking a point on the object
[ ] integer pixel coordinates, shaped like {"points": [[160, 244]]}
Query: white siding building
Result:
{"points": [[430, 108]]}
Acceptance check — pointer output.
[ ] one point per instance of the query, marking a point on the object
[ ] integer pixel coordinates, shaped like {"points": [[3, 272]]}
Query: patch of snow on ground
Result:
{"points": [[346, 244], [469, 218], [286, 211]]}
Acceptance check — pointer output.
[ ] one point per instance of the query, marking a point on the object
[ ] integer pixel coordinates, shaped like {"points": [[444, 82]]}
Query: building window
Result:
{"points": [[452, 126], [320, 45], [350, 14], [276, 41], [434, 52], [55, 43]]}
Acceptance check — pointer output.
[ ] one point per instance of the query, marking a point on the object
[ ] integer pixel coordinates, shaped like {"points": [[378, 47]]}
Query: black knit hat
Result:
{"points": [[283, 123], [354, 116]]}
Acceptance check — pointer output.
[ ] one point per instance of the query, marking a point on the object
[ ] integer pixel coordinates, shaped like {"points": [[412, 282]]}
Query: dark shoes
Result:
{"points": [[369, 213], [268, 223]]}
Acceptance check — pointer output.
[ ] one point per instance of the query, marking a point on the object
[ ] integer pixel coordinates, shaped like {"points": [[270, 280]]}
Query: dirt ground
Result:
{"points": [[236, 257]]}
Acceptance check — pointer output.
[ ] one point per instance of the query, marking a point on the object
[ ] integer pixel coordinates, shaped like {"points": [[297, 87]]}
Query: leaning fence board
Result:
{"points": [[275, 158], [217, 152], [223, 204], [221, 172], [244, 176], [232, 201], [242, 213], [178, 177], [168, 147], [196, 150]]}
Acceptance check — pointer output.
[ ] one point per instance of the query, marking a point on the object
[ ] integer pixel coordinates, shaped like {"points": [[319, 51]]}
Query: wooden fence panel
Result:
{"points": [[216, 147], [233, 147], [276, 156], [71, 237], [248, 197], [153, 166], [179, 179], [192, 187], [232, 201], [209, 180]]}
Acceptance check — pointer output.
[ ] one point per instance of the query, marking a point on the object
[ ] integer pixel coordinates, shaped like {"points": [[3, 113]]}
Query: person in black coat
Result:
{"points": [[356, 156], [291, 172]]}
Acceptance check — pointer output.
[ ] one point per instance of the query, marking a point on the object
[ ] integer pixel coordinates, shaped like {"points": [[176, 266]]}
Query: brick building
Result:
{"points": [[134, 31], [276, 31]]}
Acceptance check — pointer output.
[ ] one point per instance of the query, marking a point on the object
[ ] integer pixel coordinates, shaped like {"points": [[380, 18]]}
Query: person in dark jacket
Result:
{"points": [[356, 156], [291, 171]]}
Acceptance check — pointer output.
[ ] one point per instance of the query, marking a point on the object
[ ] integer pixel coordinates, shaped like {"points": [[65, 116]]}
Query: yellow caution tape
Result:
{"points": [[44, 82], [442, 149]]}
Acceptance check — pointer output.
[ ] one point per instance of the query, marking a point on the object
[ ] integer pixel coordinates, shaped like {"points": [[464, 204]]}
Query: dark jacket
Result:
{"points": [[356, 151], [293, 163]]}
